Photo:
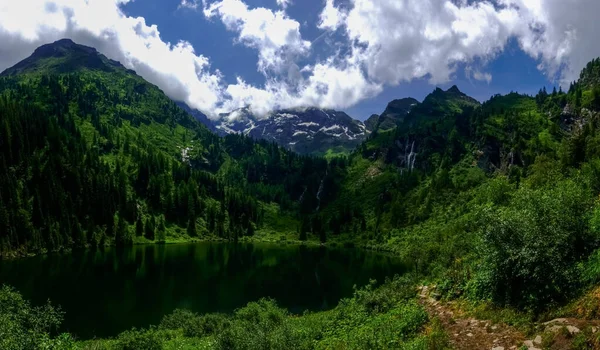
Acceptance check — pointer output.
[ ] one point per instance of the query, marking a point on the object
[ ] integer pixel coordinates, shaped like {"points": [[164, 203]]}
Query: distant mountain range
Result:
{"points": [[316, 131], [307, 130], [303, 130]]}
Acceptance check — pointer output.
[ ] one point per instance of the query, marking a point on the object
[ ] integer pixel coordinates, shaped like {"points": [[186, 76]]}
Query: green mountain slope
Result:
{"points": [[483, 197], [92, 153], [394, 113]]}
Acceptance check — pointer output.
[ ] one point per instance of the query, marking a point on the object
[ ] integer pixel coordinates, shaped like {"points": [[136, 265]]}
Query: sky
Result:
{"points": [[350, 55]]}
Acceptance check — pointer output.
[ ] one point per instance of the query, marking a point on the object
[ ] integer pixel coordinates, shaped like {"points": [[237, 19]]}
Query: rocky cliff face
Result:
{"points": [[306, 131]]}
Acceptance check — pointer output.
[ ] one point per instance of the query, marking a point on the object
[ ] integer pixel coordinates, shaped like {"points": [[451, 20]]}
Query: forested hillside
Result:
{"points": [[497, 201], [93, 154]]}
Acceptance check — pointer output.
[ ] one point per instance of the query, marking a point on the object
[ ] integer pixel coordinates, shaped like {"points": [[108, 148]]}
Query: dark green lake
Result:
{"points": [[104, 292]]}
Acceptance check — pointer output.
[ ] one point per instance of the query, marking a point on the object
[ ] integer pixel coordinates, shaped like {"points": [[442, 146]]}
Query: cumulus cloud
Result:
{"points": [[331, 17], [561, 34], [375, 44], [336, 82], [276, 36], [176, 68], [401, 40]]}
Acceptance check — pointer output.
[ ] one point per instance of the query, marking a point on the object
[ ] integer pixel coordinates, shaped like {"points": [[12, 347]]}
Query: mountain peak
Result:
{"points": [[63, 56], [454, 89]]}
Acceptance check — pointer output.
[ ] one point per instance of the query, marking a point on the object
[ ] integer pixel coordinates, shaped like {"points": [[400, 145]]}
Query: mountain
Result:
{"points": [[303, 130], [199, 116], [64, 56], [92, 154], [393, 114], [371, 122]]}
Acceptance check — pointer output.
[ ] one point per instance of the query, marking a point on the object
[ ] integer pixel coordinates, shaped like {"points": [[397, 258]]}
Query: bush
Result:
{"points": [[139, 339], [261, 325], [194, 325], [25, 327], [530, 249]]}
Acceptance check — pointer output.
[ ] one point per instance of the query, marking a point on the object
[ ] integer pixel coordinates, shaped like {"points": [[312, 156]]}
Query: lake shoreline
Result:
{"points": [[204, 277], [183, 240]]}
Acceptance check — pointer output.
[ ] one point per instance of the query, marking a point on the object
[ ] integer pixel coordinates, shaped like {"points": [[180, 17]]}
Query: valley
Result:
{"points": [[494, 203]]}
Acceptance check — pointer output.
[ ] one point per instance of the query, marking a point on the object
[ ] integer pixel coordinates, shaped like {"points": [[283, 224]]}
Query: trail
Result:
{"points": [[469, 333]]}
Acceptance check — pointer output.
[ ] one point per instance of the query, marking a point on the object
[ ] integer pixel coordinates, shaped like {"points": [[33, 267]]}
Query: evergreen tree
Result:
{"points": [[150, 228], [139, 227], [191, 228]]}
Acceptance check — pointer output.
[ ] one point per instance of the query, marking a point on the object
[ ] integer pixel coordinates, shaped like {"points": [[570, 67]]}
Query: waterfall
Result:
{"points": [[411, 157], [302, 195]]}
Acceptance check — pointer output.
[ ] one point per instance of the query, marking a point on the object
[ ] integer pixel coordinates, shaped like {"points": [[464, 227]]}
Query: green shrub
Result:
{"points": [[139, 339], [23, 326], [194, 325], [261, 325], [530, 248]]}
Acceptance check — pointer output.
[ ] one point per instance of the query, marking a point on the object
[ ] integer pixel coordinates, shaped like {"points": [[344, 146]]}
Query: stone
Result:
{"points": [[498, 348], [556, 320], [573, 329], [469, 334], [555, 328], [594, 329], [538, 340], [494, 327], [513, 347], [528, 343]]}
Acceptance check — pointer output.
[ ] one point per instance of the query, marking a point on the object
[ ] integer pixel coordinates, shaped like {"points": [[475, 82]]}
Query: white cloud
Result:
{"points": [[189, 4], [284, 3], [562, 34], [276, 36], [477, 74], [402, 40], [176, 68], [378, 44], [331, 17]]}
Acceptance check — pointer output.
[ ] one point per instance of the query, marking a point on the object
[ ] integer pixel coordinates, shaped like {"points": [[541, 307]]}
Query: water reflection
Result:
{"points": [[107, 291]]}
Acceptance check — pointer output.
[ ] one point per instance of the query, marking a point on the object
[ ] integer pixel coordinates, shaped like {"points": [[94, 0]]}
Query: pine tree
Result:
{"points": [[191, 228], [122, 235], [162, 230], [139, 227], [150, 228]]}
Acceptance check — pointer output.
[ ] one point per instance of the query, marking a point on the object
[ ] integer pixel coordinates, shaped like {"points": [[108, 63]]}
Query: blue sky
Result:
{"points": [[350, 55], [512, 70]]}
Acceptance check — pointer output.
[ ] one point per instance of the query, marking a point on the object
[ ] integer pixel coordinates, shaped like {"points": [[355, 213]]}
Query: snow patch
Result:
{"points": [[308, 124], [331, 128], [287, 115]]}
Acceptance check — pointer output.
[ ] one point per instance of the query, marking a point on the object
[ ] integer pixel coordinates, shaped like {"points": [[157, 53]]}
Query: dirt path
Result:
{"points": [[470, 333]]}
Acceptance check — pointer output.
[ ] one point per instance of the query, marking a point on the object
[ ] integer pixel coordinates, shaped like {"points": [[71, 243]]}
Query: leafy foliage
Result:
{"points": [[23, 326]]}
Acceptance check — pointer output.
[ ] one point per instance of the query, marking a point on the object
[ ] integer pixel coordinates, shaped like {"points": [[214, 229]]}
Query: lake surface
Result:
{"points": [[104, 292]]}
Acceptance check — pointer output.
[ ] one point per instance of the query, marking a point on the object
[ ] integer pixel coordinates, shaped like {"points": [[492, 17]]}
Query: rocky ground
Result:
{"points": [[466, 332]]}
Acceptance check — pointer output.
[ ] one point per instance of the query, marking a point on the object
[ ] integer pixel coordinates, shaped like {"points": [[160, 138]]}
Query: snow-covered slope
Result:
{"points": [[307, 130]]}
